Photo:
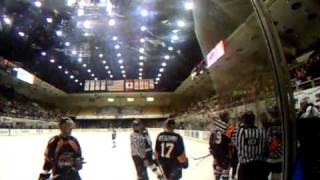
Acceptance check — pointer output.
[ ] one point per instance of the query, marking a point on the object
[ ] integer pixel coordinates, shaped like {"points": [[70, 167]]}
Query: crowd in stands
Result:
{"points": [[308, 70], [15, 105]]}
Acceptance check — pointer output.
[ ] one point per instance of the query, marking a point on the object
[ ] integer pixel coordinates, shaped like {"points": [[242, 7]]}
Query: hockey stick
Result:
{"points": [[161, 170], [202, 157]]}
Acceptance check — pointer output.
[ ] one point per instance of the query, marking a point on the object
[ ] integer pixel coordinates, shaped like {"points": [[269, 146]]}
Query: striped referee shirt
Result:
{"points": [[251, 143], [138, 145]]}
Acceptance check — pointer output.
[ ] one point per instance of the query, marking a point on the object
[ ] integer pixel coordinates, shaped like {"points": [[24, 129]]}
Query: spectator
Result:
{"points": [[308, 109]]}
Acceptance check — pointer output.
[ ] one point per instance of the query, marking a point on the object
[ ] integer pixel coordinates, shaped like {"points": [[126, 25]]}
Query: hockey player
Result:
{"points": [[63, 154], [219, 145], [149, 154], [114, 136], [138, 150], [170, 152]]}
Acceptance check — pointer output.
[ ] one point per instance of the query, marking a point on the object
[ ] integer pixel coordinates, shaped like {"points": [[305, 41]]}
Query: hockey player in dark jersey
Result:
{"points": [[114, 136], [219, 145], [170, 152], [63, 154]]}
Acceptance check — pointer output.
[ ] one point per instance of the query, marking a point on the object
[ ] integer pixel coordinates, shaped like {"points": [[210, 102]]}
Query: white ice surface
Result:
{"points": [[21, 157]]}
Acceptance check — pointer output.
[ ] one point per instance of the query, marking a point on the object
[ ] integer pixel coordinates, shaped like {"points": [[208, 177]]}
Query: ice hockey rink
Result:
{"points": [[22, 157]]}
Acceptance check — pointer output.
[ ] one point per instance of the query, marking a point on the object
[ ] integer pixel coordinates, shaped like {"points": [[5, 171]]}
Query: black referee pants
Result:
{"points": [[141, 169], [255, 170]]}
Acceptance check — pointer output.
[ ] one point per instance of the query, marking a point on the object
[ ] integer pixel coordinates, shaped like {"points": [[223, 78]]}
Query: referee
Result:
{"points": [[138, 150], [251, 143]]}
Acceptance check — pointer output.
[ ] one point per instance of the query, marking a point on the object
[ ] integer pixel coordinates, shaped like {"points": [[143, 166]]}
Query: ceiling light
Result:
{"points": [[188, 5], [118, 55], [89, 70], [76, 80], [130, 99], [140, 74], [37, 3], [21, 34], [141, 57], [84, 65], [52, 60], [157, 79], [181, 23], [156, 82], [110, 99], [104, 62], [123, 71], [80, 12], [144, 13], [175, 31], [124, 76], [87, 24], [140, 63], [170, 48], [49, 20], [92, 75], [164, 64], [96, 79], [150, 99], [66, 72], [59, 67], [142, 40], [71, 2], [71, 77], [166, 57], [159, 75], [7, 20], [67, 43], [79, 60], [140, 78], [140, 69], [86, 34], [59, 33], [74, 52], [174, 37], [114, 38], [120, 61], [112, 22], [141, 50], [80, 84], [106, 67], [109, 72], [143, 28], [100, 55], [117, 46], [121, 67], [111, 76], [43, 53], [161, 69]]}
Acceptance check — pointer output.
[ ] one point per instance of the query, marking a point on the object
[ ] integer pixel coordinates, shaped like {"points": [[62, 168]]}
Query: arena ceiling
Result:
{"points": [[68, 41]]}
